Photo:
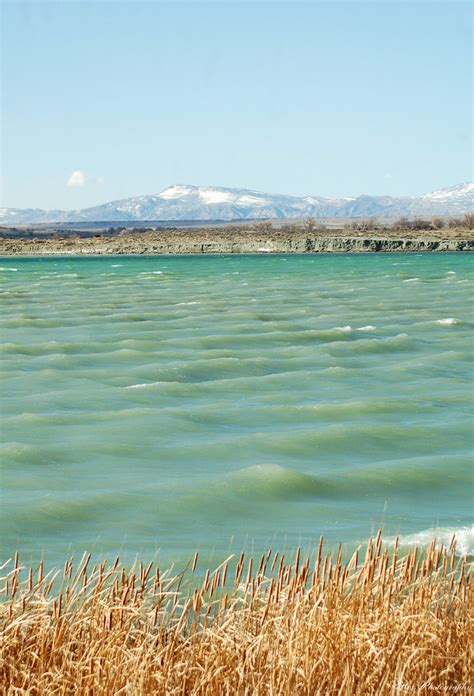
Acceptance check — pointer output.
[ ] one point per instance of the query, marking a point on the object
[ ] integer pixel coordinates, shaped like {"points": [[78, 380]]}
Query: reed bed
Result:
{"points": [[385, 623]]}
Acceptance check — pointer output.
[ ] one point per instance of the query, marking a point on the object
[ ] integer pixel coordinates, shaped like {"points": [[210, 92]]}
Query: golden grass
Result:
{"points": [[385, 625]]}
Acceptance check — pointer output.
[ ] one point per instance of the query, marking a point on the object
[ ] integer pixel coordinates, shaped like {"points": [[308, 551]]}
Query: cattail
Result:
{"points": [[119, 633]]}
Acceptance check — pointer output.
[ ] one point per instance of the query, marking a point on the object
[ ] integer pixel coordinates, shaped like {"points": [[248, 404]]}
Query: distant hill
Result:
{"points": [[183, 202]]}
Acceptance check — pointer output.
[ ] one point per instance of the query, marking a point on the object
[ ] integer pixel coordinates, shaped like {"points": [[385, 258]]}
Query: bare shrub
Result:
{"points": [[468, 221], [264, 227], [419, 224], [402, 223], [437, 223]]}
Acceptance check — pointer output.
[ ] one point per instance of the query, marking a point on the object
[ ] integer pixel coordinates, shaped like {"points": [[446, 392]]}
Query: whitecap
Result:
{"points": [[451, 272], [410, 280], [5, 268], [464, 538], [449, 321], [346, 329], [369, 327], [117, 265], [187, 303]]}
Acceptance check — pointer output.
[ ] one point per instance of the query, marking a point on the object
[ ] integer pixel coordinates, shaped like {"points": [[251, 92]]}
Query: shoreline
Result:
{"points": [[211, 242]]}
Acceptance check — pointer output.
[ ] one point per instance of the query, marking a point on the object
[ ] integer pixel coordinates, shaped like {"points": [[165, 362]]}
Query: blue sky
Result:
{"points": [[328, 98]]}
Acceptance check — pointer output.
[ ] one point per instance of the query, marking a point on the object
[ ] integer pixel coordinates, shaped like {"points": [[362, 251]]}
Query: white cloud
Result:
{"points": [[77, 178]]}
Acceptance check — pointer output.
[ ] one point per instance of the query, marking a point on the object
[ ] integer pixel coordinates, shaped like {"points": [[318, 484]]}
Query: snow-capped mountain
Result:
{"points": [[183, 202]]}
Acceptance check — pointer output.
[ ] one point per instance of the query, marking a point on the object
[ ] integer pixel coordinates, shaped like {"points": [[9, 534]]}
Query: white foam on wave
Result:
{"points": [[449, 321], [117, 265], [346, 329], [158, 272], [369, 327], [451, 272], [187, 303], [464, 538], [410, 280], [5, 268]]}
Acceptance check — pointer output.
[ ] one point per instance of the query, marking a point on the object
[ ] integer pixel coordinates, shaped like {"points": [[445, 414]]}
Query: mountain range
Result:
{"points": [[183, 202]]}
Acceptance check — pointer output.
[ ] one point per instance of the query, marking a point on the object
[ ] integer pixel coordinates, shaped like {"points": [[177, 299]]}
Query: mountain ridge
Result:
{"points": [[189, 202]]}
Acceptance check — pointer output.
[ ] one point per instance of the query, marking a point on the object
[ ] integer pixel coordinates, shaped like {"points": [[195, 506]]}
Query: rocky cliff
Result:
{"points": [[199, 242]]}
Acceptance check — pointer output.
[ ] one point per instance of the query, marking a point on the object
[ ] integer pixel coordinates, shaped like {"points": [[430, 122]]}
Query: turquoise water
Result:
{"points": [[163, 404]]}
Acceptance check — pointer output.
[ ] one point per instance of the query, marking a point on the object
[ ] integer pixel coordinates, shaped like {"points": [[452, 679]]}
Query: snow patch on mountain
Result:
{"points": [[459, 191], [174, 191], [214, 196], [186, 202]]}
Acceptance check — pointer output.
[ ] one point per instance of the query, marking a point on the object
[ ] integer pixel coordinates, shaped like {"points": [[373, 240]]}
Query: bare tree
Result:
{"points": [[437, 223], [310, 225], [264, 226], [370, 224], [419, 224], [468, 221], [402, 223]]}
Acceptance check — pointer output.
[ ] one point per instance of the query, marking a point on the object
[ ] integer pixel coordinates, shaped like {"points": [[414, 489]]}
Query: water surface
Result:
{"points": [[170, 403]]}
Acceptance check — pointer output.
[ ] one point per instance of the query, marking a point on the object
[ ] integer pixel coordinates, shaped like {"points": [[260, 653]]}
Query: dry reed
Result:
{"points": [[384, 624]]}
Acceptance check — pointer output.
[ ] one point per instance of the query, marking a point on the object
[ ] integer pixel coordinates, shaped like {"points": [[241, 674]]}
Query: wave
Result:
{"points": [[274, 481], [449, 321], [407, 476], [20, 453], [464, 538], [345, 329], [400, 342]]}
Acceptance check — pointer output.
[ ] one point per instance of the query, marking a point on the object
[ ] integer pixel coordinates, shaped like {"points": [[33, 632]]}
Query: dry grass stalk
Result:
{"points": [[390, 625]]}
